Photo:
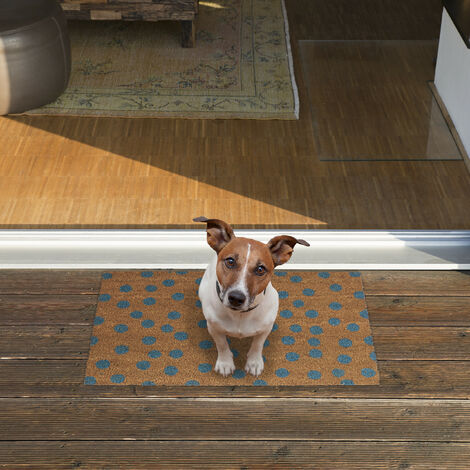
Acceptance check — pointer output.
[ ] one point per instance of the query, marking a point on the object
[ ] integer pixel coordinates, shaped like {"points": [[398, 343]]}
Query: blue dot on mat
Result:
{"points": [[181, 273], [368, 340], [282, 372], [314, 342], [154, 354], [366, 372], [345, 342], [174, 315], [259, 382], [149, 340], [147, 323], [335, 306], [344, 359], [311, 314], [93, 340], [170, 370], [315, 353], [103, 364], [288, 340], [280, 273], [353, 327], [234, 352], [206, 344], [125, 288], [192, 383], [355, 274], [123, 304], [296, 279], [136, 314], [151, 288], [166, 328], [298, 303], [146, 273], [334, 321], [364, 314], [308, 292], [292, 356], [347, 382], [181, 335], [338, 372], [285, 313], [106, 275], [90, 380], [178, 296], [117, 378], [121, 328], [176, 353], [335, 287], [168, 282], [266, 343], [121, 349], [359, 294], [283, 294], [239, 374], [295, 328], [275, 327], [104, 298], [202, 324], [316, 330], [148, 383], [324, 274], [198, 280], [198, 304], [205, 367], [373, 356], [143, 365], [149, 301], [314, 374]]}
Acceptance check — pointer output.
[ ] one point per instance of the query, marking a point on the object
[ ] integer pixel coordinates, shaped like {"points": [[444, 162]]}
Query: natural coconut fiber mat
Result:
{"points": [[149, 330]]}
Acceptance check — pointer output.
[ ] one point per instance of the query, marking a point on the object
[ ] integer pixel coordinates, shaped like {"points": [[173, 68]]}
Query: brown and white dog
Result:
{"points": [[236, 293]]}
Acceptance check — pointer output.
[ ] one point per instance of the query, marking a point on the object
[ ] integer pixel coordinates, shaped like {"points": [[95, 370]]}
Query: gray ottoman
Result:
{"points": [[34, 54]]}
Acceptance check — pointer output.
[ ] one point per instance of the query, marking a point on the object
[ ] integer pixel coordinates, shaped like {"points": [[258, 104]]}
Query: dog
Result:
{"points": [[236, 293]]}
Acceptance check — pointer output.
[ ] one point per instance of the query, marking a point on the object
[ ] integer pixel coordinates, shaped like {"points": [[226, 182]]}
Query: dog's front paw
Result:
{"points": [[254, 365], [224, 366]]}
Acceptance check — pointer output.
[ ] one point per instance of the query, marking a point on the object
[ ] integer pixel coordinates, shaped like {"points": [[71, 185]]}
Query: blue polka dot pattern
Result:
{"points": [[355, 274], [316, 353], [170, 370], [121, 349], [149, 301], [314, 374], [366, 372], [103, 364], [148, 383], [359, 295], [192, 383], [373, 356], [121, 328], [368, 340], [238, 374], [285, 313], [335, 306], [295, 328], [98, 320], [298, 303], [344, 359], [198, 304], [260, 382], [314, 342], [283, 294], [93, 340], [288, 340], [178, 296], [136, 314], [266, 343], [364, 314], [275, 327], [168, 282], [181, 335], [324, 275], [316, 330], [106, 275], [282, 372], [338, 372], [151, 288], [174, 315], [181, 273], [296, 279], [334, 321], [125, 288], [89, 380], [146, 273], [123, 304], [311, 314], [148, 340], [345, 342], [335, 287], [143, 365], [292, 356], [202, 323], [154, 354], [104, 297], [234, 352], [353, 327], [308, 292], [280, 273], [118, 378], [204, 368], [176, 353], [347, 382], [206, 344], [167, 328], [148, 323], [198, 281]]}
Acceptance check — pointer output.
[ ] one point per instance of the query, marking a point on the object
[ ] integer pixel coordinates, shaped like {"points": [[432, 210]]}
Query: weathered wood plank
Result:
{"points": [[236, 454], [398, 379], [47, 309], [251, 419], [391, 343], [432, 283], [44, 281], [418, 311]]}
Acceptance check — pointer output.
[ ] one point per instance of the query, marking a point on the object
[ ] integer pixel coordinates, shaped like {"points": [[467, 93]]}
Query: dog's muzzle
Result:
{"points": [[234, 298]]}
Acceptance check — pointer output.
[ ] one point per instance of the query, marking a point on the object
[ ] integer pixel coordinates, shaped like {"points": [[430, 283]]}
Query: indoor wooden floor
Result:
{"points": [[76, 172], [417, 418]]}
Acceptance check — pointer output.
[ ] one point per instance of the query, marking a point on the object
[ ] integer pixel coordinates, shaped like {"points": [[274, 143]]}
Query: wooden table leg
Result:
{"points": [[189, 33]]}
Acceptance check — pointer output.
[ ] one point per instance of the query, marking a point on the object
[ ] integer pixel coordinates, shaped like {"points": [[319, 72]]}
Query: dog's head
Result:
{"points": [[244, 266]]}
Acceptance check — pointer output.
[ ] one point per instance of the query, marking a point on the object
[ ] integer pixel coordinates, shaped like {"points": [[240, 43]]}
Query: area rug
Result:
{"points": [[149, 330], [241, 66]]}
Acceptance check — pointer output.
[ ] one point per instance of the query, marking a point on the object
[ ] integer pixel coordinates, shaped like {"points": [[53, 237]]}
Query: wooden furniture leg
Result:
{"points": [[189, 33]]}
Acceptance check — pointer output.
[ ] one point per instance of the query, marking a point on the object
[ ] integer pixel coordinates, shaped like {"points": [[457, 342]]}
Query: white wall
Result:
{"points": [[452, 77]]}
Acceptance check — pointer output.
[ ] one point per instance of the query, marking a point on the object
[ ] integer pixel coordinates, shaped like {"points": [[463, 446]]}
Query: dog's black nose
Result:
{"points": [[236, 298]]}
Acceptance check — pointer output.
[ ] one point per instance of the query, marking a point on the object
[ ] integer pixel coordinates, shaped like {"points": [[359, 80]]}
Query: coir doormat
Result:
{"points": [[149, 329]]}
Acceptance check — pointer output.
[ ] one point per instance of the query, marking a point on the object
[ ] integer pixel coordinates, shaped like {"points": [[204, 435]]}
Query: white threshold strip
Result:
{"points": [[187, 249]]}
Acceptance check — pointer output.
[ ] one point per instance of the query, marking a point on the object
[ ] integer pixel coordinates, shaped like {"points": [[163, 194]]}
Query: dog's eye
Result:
{"points": [[230, 263], [260, 270]]}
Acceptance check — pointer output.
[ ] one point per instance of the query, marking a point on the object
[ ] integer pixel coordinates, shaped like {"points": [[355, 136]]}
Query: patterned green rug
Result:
{"points": [[241, 66]]}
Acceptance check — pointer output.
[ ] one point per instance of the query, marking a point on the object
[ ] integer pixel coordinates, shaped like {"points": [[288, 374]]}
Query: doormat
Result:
{"points": [[149, 329]]}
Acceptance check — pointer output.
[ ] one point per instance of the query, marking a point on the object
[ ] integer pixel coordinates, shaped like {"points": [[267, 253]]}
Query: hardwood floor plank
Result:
{"points": [[236, 455], [256, 419], [398, 379]]}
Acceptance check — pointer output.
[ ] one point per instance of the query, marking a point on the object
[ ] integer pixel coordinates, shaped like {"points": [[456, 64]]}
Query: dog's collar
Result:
{"points": [[217, 288]]}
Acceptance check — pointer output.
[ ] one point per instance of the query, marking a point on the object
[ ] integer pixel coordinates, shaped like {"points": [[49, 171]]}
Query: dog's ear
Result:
{"points": [[282, 247], [219, 233]]}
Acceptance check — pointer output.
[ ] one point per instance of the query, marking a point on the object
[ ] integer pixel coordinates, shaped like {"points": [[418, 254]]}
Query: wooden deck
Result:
{"points": [[418, 418]]}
